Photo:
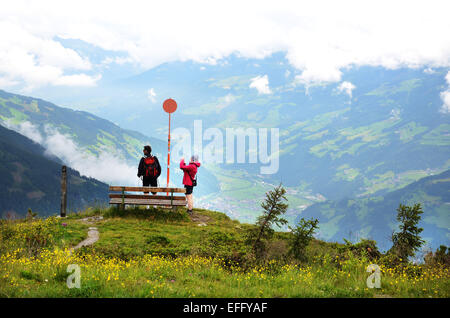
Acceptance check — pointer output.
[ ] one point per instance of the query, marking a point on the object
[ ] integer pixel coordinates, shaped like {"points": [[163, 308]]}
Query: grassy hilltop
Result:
{"points": [[157, 253]]}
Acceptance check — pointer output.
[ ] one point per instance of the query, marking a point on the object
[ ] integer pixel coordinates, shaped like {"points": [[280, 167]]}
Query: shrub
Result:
{"points": [[364, 248], [32, 235], [158, 239], [302, 236], [30, 276], [440, 257]]}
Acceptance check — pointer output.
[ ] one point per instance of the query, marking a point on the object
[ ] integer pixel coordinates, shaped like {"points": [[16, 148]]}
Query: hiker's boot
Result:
{"points": [[189, 212]]}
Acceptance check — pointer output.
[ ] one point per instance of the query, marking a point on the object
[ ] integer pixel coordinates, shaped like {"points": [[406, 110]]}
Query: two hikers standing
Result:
{"points": [[150, 169]]}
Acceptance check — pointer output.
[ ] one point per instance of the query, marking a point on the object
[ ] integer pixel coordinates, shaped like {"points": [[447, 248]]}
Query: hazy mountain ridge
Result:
{"points": [[385, 133], [374, 217], [90, 131], [372, 138]]}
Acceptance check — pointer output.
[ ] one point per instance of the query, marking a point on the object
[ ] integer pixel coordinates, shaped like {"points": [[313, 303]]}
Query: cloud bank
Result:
{"points": [[104, 167], [35, 59], [320, 38]]}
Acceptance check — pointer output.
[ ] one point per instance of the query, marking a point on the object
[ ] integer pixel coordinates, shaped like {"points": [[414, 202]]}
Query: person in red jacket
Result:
{"points": [[189, 180]]}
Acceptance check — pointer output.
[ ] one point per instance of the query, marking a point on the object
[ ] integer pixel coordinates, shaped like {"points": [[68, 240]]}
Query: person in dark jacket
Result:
{"points": [[190, 171], [149, 169]]}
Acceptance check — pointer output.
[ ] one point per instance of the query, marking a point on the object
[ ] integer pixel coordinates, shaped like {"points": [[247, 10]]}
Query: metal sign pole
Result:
{"points": [[169, 107], [168, 158]]}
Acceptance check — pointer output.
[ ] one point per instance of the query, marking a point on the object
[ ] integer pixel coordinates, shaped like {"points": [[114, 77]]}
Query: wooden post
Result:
{"points": [[123, 198], [63, 191]]}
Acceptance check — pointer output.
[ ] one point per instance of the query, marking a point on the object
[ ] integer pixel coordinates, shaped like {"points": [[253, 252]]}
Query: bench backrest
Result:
{"points": [[146, 189]]}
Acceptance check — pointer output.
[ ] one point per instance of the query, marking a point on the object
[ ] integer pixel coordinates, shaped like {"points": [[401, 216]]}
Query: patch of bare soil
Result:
{"points": [[200, 219]]}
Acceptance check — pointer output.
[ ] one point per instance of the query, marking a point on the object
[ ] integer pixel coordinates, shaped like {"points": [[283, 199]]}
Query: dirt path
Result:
{"points": [[93, 236], [92, 219], [93, 233]]}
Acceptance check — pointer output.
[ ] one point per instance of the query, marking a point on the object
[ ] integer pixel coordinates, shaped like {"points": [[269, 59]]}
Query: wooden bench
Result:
{"points": [[123, 198]]}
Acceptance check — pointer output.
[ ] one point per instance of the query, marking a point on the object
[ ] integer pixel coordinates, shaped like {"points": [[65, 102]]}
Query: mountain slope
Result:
{"points": [[379, 137], [31, 179], [374, 217]]}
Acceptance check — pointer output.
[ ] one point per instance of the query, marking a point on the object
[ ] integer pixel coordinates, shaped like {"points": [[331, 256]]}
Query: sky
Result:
{"points": [[320, 38]]}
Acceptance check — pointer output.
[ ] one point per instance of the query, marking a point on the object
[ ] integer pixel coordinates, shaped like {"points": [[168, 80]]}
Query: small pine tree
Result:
{"points": [[30, 214], [302, 236], [273, 207], [441, 257], [408, 240]]}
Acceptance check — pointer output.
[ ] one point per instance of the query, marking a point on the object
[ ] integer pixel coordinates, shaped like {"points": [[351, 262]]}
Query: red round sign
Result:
{"points": [[170, 105]]}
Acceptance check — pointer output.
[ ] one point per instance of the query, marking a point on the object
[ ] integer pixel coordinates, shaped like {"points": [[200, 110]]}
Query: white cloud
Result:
{"points": [[77, 80], [261, 83], [151, 95], [7, 82], [287, 73], [38, 60], [347, 88], [117, 60], [105, 166], [445, 96], [320, 38], [318, 74], [27, 129], [395, 114], [228, 99]]}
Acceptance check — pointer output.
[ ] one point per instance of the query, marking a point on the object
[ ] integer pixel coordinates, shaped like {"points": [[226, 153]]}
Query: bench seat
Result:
{"points": [[124, 198]]}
